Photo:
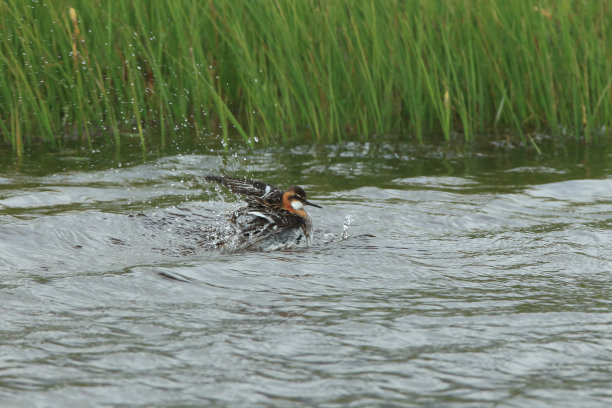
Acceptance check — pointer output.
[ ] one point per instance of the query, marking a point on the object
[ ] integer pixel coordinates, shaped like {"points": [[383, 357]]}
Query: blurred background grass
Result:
{"points": [[330, 70]]}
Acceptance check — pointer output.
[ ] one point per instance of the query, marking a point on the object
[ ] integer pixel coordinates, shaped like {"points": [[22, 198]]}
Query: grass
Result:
{"points": [[327, 70]]}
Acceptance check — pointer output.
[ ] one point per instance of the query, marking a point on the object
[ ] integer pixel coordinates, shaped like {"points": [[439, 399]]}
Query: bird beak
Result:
{"points": [[314, 205]]}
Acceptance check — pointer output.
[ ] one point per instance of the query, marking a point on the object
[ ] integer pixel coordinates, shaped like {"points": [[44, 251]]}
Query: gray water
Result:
{"points": [[435, 278]]}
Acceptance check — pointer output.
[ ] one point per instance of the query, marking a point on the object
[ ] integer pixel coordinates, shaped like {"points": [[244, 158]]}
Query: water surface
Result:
{"points": [[437, 277]]}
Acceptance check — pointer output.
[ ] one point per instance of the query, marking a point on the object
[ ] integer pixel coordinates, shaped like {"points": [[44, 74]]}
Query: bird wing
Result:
{"points": [[263, 222], [282, 219], [243, 186]]}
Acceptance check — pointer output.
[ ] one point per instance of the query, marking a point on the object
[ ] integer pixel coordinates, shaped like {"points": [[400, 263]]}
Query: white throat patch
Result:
{"points": [[297, 205]]}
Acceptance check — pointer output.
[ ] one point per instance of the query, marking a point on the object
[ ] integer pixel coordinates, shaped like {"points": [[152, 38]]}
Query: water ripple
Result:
{"points": [[424, 290]]}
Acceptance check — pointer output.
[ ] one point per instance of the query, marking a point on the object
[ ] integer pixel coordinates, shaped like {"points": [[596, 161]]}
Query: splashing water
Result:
{"points": [[330, 237], [474, 285], [348, 220]]}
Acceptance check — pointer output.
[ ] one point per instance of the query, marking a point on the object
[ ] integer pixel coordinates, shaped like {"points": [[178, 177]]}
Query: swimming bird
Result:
{"points": [[272, 218]]}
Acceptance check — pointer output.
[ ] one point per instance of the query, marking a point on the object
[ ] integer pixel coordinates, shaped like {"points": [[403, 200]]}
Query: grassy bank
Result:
{"points": [[319, 69]]}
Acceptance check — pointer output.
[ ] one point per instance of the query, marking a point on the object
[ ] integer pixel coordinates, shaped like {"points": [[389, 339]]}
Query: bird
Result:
{"points": [[272, 218]]}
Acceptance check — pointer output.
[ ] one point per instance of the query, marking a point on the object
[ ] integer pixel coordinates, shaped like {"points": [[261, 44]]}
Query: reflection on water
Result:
{"points": [[434, 279]]}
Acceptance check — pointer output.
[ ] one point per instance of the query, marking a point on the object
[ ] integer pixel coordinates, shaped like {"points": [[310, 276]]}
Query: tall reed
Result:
{"points": [[327, 70]]}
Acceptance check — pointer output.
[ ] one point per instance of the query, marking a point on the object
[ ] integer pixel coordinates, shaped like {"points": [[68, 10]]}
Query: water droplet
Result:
{"points": [[348, 220]]}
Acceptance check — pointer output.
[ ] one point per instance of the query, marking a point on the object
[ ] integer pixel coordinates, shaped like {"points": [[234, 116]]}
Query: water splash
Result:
{"points": [[329, 237], [348, 220]]}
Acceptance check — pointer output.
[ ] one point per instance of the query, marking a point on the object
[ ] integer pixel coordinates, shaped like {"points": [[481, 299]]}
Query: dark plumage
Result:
{"points": [[272, 217]]}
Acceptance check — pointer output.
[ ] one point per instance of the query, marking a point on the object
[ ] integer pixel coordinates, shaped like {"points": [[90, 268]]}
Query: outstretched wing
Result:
{"points": [[243, 186]]}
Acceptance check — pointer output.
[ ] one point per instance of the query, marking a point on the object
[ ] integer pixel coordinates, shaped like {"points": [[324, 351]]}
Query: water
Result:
{"points": [[435, 278]]}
